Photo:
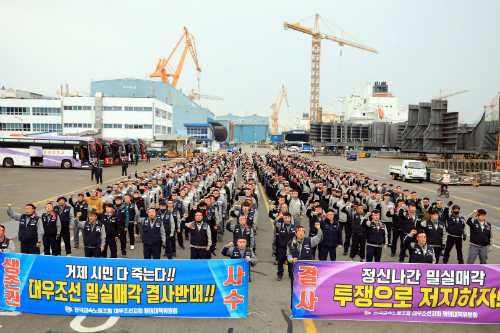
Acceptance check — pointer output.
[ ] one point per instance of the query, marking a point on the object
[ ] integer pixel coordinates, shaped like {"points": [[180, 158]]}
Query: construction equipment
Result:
{"points": [[276, 108], [317, 36], [67, 94], [194, 95], [163, 65], [491, 110], [441, 97]]}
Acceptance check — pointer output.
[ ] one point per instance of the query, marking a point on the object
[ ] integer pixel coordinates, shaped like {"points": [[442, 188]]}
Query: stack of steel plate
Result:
{"points": [[495, 178], [466, 180]]}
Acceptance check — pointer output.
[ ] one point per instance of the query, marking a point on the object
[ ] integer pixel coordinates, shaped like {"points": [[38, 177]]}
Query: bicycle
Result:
{"points": [[446, 192]]}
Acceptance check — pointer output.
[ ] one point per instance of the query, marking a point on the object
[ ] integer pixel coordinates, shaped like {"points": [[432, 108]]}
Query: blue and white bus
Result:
{"points": [[47, 151], [231, 145], [305, 147]]}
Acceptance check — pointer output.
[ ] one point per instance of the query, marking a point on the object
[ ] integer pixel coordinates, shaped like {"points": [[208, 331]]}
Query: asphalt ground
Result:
{"points": [[269, 299]]}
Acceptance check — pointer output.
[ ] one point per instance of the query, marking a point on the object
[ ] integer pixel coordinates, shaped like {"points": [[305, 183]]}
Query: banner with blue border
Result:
{"points": [[124, 287]]}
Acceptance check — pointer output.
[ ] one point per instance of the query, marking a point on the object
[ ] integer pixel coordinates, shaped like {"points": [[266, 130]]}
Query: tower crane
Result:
{"points": [[491, 110], [441, 97], [276, 108], [194, 95], [317, 36], [67, 94], [163, 65]]}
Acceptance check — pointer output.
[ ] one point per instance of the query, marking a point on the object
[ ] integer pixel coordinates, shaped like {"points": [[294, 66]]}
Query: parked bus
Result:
{"points": [[103, 151], [305, 147], [48, 151], [232, 145], [118, 150]]}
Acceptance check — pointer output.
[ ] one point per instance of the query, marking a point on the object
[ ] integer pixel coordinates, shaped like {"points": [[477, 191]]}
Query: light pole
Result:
{"points": [[22, 127]]}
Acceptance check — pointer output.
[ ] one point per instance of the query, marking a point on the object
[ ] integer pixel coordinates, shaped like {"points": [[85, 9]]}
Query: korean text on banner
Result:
{"points": [[124, 287], [397, 292]]}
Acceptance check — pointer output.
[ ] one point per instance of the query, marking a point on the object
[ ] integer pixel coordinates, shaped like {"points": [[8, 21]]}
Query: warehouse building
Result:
{"points": [[246, 129], [183, 108]]}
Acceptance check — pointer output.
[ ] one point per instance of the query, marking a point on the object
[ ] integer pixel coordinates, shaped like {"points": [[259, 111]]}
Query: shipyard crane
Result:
{"points": [[491, 109], [441, 97], [276, 108], [317, 36], [194, 95], [67, 94], [163, 65]]}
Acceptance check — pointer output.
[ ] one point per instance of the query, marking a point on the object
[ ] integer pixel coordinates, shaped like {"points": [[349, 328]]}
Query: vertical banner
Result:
{"points": [[397, 292], [124, 287]]}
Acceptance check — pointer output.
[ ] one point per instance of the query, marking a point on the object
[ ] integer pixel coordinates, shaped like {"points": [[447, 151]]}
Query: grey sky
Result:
{"points": [[246, 55]]}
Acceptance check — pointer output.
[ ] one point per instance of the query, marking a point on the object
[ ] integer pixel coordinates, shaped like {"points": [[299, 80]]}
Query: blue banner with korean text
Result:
{"points": [[124, 287]]}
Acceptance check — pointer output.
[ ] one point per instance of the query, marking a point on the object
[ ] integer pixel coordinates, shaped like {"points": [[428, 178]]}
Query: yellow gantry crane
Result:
{"points": [[163, 65], [317, 36], [276, 108], [441, 97]]}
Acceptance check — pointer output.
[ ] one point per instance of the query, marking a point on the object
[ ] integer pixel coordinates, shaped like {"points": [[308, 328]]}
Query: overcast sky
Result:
{"points": [[246, 55]]}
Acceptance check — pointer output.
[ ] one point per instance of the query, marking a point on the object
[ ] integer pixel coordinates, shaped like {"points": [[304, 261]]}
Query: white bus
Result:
{"points": [[48, 151]]}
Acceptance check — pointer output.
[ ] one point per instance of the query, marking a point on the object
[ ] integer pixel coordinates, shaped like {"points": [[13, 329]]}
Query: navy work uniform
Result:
{"points": [[376, 239], [94, 237], [200, 239], [434, 230], [481, 237], [153, 236], [79, 207], [285, 233], [419, 254], [332, 238], [30, 231], [65, 214], [110, 224], [51, 230], [122, 223], [169, 225], [455, 226]]}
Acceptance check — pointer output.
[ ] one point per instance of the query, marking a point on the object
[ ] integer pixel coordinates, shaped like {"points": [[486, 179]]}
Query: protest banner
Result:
{"points": [[124, 287], [396, 292]]}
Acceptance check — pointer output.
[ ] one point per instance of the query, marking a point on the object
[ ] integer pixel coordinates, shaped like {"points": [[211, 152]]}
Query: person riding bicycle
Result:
{"points": [[445, 180]]}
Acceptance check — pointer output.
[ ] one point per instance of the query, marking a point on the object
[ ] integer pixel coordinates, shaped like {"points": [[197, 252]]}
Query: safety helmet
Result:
{"points": [[445, 171]]}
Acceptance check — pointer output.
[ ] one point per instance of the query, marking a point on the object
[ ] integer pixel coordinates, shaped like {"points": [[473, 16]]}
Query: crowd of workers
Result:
{"points": [[200, 198]]}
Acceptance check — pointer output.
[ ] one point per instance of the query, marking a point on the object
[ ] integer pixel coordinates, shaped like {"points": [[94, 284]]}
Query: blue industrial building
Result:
{"points": [[246, 129], [184, 109]]}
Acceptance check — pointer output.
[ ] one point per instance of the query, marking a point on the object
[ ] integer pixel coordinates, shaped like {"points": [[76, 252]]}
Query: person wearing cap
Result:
{"points": [[481, 237], [109, 221], [108, 196], [339, 204], [6, 245], [332, 235], [239, 252], [51, 230], [221, 204], [94, 234], [169, 225], [443, 211], [65, 214], [31, 231], [296, 207], [285, 231], [201, 237], [179, 206], [376, 238], [209, 211], [354, 218], [241, 230], [435, 233], [122, 223], [80, 206], [455, 227], [124, 166], [153, 235], [420, 251]]}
